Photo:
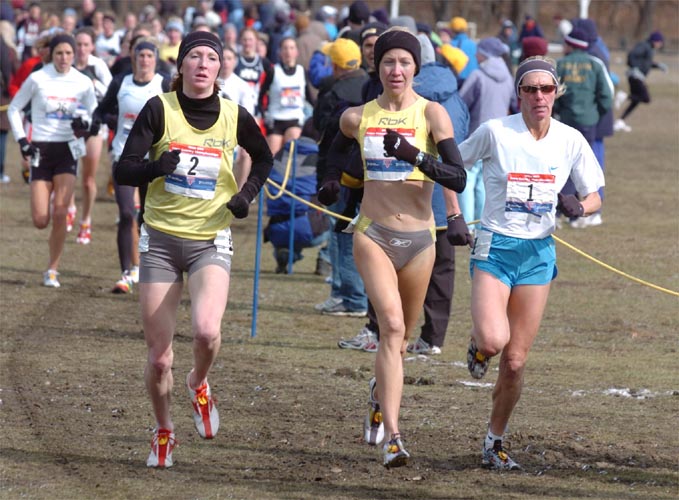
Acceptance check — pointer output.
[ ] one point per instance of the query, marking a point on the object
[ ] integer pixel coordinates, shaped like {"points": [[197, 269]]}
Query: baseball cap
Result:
{"points": [[343, 53]]}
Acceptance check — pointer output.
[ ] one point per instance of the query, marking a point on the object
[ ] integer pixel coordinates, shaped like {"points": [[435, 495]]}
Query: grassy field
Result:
{"points": [[598, 417]]}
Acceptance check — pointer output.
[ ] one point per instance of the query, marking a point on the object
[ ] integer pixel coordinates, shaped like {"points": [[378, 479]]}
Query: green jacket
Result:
{"points": [[589, 89]]}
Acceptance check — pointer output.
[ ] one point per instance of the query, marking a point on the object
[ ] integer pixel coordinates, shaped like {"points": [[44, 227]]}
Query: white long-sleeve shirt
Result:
{"points": [[56, 99], [239, 91]]}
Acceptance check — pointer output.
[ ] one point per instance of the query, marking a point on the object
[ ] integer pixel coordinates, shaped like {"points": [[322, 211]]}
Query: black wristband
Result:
{"points": [[453, 217]]}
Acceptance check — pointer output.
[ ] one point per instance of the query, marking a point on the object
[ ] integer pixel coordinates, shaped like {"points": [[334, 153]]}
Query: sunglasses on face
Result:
{"points": [[531, 89]]}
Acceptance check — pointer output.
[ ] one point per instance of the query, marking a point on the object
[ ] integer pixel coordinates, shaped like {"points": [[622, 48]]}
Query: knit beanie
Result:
{"points": [[398, 39], [198, 39], [577, 38]]}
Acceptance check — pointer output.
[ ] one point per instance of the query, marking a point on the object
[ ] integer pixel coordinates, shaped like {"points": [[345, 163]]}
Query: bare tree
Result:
{"points": [[645, 20]]}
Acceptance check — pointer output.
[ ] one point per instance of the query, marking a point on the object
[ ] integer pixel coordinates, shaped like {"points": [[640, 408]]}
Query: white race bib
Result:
{"points": [[197, 172], [482, 240], [143, 244], [529, 196], [381, 168], [78, 148]]}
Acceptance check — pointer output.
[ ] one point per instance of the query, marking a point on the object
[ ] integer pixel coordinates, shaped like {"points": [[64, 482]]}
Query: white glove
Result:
{"points": [[662, 67]]}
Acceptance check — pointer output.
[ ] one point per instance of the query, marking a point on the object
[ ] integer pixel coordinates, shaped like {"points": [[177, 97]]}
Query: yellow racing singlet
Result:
{"points": [[191, 202], [410, 123]]}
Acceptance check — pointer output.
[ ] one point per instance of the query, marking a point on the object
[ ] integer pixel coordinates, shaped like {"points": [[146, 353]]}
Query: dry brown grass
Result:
{"points": [[75, 420]]}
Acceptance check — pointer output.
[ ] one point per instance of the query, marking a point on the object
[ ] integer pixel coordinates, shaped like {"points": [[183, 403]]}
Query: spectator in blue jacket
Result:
{"points": [[462, 41]]}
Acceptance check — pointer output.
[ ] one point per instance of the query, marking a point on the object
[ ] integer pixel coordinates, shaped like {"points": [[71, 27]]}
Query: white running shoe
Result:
{"points": [[328, 303], [373, 427], [364, 337], [50, 278], [395, 454], [423, 347], [134, 274], [621, 126], [205, 414]]}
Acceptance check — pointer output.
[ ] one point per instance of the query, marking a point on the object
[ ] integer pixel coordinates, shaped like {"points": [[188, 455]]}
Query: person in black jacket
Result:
{"points": [[337, 93], [640, 62]]}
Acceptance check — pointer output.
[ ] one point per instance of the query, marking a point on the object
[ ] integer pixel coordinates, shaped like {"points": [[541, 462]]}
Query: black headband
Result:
{"points": [[198, 39], [531, 66], [398, 39], [145, 45], [61, 38]]}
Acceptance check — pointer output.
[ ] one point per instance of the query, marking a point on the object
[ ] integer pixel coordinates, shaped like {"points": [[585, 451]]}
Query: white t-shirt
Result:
{"points": [[56, 99], [523, 176]]}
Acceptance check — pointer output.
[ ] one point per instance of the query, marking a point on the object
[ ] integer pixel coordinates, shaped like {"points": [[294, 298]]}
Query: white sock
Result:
{"points": [[490, 440]]}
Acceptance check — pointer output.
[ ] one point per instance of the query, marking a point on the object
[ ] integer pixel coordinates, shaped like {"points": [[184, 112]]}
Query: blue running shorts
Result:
{"points": [[514, 261]]}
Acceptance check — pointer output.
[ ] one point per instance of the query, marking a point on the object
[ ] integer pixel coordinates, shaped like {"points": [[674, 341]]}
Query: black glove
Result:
{"points": [[80, 128], [398, 146], [28, 150], [458, 232], [239, 204], [166, 164], [570, 206], [329, 192]]}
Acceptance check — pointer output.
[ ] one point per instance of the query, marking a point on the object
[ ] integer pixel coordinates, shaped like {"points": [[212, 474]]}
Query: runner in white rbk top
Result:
{"points": [[57, 94]]}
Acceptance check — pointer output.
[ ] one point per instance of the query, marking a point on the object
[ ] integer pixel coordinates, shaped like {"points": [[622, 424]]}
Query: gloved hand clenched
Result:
{"points": [[80, 127], [28, 150], [239, 206], [570, 206], [329, 192], [166, 164], [458, 232], [398, 146]]}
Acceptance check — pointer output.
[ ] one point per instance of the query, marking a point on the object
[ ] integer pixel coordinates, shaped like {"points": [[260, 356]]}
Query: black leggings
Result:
{"points": [[127, 212]]}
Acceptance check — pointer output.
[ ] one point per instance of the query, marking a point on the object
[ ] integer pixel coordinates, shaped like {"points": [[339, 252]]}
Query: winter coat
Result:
{"points": [[437, 83], [589, 90]]}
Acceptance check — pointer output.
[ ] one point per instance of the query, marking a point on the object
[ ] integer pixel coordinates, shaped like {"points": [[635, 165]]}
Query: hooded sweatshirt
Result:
{"points": [[488, 92]]}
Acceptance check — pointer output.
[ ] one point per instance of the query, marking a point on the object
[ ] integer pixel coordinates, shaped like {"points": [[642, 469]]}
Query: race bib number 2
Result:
{"points": [[197, 172]]}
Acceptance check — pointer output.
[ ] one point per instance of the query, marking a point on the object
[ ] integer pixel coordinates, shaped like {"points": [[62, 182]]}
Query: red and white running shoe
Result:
{"points": [[162, 444], [205, 414], [84, 235]]}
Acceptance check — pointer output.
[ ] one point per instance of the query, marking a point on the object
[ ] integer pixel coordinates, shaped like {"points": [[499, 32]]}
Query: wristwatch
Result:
{"points": [[419, 159]]}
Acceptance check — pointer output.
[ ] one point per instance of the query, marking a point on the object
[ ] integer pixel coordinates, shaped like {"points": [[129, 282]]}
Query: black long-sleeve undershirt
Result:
{"points": [[148, 129]]}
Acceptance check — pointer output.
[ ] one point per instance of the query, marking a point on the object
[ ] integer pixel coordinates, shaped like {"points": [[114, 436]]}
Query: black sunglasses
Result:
{"points": [[531, 89]]}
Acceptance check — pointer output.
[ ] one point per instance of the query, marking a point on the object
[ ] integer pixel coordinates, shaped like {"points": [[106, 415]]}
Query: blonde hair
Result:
{"points": [[560, 87]]}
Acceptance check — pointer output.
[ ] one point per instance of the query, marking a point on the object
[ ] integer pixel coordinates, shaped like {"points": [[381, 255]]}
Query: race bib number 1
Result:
{"points": [[197, 172], [529, 194]]}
